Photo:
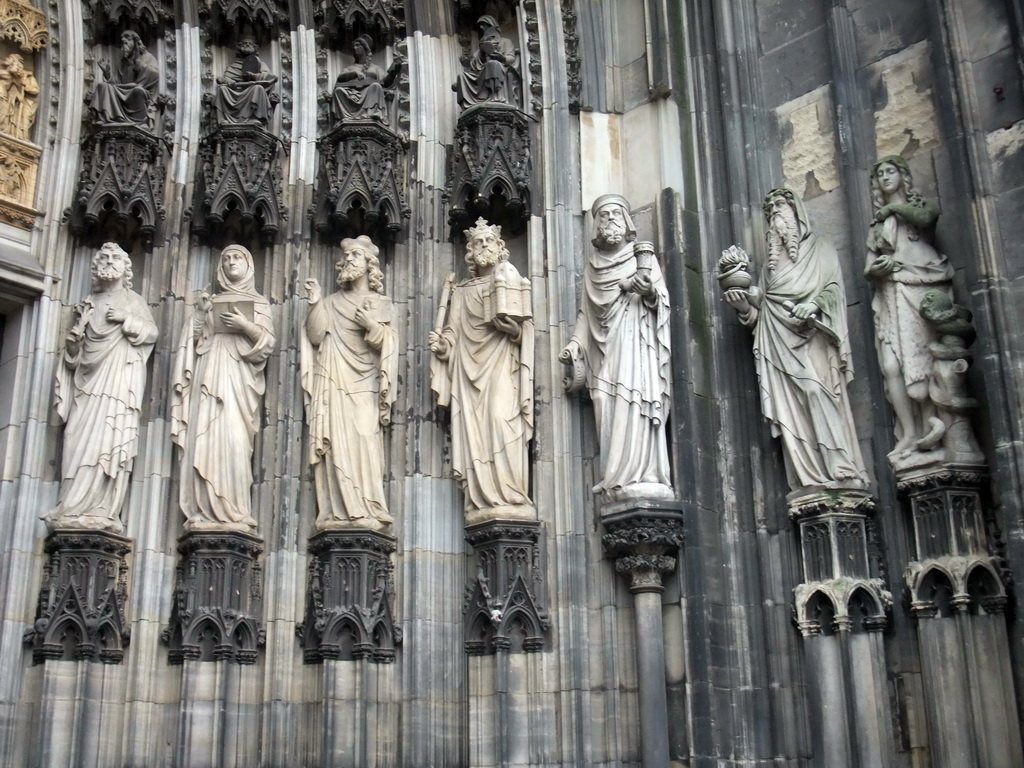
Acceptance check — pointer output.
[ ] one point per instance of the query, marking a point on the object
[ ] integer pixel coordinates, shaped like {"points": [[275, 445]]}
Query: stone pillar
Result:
{"points": [[957, 583], [504, 617], [841, 611], [643, 537], [216, 617], [350, 629], [81, 618]]}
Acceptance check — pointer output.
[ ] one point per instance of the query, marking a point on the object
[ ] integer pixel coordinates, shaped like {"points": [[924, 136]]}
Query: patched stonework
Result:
{"points": [[809, 149], [906, 125]]}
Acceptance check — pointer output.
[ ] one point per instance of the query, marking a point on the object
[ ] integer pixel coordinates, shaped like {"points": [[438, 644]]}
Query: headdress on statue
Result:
{"points": [[481, 227], [366, 41], [791, 197], [487, 22]]}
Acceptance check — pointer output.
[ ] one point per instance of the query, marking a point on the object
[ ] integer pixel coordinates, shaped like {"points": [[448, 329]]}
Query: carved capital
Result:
{"points": [[502, 608], [812, 503], [645, 571], [218, 600], [350, 597], [81, 609]]}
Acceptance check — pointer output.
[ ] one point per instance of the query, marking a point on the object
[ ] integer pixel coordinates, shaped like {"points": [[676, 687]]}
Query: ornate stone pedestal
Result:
{"points": [[350, 598], [643, 536], [841, 609], [120, 188], [502, 607], [218, 599], [957, 587], [361, 184], [489, 168], [81, 601], [240, 186]]}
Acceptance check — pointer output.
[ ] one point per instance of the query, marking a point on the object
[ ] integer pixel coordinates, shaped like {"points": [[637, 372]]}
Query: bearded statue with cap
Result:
{"points": [[621, 352]]}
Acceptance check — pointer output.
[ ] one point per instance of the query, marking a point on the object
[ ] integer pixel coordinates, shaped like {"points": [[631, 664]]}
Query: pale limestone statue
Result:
{"points": [[482, 372], [491, 75], [100, 382], [947, 386], [218, 385], [350, 382], [19, 97], [621, 351], [903, 265], [243, 91], [802, 350], [363, 89], [127, 95]]}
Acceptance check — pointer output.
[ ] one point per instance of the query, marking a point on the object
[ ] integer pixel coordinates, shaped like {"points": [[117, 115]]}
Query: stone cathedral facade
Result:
{"points": [[511, 383]]}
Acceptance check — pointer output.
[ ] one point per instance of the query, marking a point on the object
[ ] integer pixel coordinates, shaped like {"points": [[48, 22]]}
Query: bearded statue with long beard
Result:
{"points": [[482, 372], [802, 349]]}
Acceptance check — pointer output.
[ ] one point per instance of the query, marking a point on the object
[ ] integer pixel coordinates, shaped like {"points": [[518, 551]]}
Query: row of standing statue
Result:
{"points": [[482, 366], [364, 91]]}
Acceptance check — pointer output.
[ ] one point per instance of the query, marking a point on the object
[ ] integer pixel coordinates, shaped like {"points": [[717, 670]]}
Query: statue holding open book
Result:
{"points": [[218, 386]]}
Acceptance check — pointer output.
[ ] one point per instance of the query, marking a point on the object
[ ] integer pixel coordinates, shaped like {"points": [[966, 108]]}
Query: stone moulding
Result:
{"points": [[360, 190], [218, 599], [501, 607], [23, 24], [120, 188], [489, 168], [81, 610], [240, 176], [350, 597]]}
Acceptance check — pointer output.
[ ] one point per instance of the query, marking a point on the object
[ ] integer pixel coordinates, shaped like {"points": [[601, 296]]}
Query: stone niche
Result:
{"points": [[22, 33]]}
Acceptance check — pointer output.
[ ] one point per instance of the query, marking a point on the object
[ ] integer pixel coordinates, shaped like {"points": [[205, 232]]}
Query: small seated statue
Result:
{"points": [[362, 89], [492, 73], [243, 91], [127, 94]]}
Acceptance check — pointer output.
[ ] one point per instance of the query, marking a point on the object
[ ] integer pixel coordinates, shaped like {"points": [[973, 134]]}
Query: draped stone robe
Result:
{"points": [[350, 383], [98, 394], [626, 347], [487, 383]]}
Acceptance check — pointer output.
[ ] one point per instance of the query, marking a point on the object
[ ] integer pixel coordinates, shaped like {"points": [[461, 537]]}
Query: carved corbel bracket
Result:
{"points": [[120, 188], [81, 610], [223, 18], [943, 586], [350, 597], [361, 183], [144, 16], [218, 599], [489, 168], [240, 187], [502, 608], [643, 536]]}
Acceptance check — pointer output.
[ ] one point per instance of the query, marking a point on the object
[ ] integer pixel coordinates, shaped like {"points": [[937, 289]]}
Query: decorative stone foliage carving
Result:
{"points": [[572, 54], [120, 188], [240, 187], [218, 599], [23, 23], [350, 598], [621, 351], [81, 612], [802, 348], [482, 371], [643, 535], [502, 607], [98, 394]]}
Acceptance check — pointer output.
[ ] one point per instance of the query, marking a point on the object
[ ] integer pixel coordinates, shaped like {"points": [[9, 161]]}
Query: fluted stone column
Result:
{"points": [[643, 537]]}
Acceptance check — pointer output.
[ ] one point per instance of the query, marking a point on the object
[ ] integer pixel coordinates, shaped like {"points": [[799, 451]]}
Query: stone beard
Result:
{"points": [[803, 365], [350, 383], [622, 341], [99, 388], [484, 375], [218, 386]]}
